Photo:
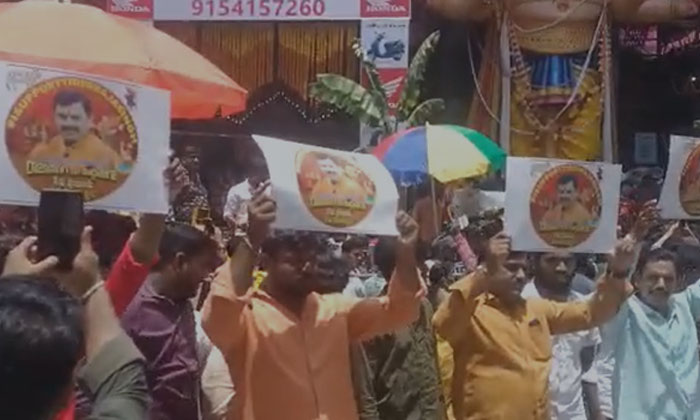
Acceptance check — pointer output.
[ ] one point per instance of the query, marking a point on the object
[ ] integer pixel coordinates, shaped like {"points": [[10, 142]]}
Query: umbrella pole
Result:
{"points": [[434, 203]]}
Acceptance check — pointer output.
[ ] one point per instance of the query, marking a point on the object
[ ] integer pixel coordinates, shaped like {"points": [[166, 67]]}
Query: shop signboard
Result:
{"points": [[252, 10]]}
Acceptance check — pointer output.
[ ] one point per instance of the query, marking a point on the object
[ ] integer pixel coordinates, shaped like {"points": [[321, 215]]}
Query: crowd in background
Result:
{"points": [[199, 316]]}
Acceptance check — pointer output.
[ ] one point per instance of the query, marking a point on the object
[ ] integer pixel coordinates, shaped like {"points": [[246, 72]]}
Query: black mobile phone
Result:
{"points": [[61, 219]]}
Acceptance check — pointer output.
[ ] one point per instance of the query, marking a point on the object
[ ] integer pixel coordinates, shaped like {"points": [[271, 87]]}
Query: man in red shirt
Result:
{"points": [[129, 271]]}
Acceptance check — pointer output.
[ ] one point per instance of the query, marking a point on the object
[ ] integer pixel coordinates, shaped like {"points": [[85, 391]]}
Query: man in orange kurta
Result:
{"points": [[502, 343], [286, 346]]}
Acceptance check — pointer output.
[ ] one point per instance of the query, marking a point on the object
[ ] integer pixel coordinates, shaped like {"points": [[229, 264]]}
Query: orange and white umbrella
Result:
{"points": [[88, 40]]}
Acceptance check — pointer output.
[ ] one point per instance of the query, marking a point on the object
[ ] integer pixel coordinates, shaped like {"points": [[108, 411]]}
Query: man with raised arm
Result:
{"points": [[502, 342], [289, 342]]}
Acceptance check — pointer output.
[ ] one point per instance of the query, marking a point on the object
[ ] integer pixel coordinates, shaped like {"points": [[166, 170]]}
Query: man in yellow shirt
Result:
{"points": [[568, 212], [502, 342], [76, 144]]}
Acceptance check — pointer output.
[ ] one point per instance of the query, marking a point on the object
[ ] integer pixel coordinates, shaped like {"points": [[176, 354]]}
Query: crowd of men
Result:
{"points": [[180, 324]]}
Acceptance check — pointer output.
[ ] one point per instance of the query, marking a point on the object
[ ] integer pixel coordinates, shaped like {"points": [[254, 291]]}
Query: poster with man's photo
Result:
{"points": [[680, 194], [326, 190], [108, 140], [560, 205]]}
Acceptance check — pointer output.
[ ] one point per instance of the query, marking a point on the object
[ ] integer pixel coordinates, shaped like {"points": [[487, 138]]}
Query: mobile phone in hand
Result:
{"points": [[61, 220]]}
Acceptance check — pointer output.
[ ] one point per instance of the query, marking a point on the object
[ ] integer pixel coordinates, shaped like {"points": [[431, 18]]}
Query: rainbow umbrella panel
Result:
{"points": [[445, 152]]}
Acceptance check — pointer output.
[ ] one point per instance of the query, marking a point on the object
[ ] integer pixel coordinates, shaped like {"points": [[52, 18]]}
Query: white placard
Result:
{"points": [[680, 194], [385, 41], [63, 130], [326, 190], [560, 205], [230, 10]]}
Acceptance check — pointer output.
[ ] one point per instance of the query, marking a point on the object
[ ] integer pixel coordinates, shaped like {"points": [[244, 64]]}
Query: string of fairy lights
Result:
{"points": [[309, 117]]}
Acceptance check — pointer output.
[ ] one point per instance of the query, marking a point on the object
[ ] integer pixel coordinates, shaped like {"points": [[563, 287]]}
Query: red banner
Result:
{"points": [[392, 81]]}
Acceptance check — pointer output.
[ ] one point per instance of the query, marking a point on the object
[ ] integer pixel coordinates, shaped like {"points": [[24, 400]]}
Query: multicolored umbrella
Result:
{"points": [[88, 40], [445, 152]]}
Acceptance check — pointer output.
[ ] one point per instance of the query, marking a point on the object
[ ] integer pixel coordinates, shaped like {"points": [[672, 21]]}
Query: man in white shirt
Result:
{"points": [[238, 197], [554, 273], [217, 386], [605, 369], [469, 200]]}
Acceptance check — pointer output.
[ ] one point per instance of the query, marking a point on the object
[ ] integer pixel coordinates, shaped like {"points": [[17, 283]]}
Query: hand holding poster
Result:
{"points": [[106, 139], [680, 195], [570, 206], [327, 190]]}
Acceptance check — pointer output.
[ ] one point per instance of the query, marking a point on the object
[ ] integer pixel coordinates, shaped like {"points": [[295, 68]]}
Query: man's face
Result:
{"points": [[72, 121], [354, 257], [193, 271], [190, 158], [331, 274], [294, 269], [566, 193], [509, 286], [656, 283], [556, 270]]}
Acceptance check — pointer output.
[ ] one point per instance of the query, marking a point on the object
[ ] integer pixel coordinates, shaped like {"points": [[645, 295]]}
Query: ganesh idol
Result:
{"points": [[544, 86]]}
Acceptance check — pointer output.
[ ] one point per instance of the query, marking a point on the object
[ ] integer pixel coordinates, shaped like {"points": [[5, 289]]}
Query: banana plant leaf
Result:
{"points": [[349, 96], [375, 84], [425, 111], [416, 72], [376, 87]]}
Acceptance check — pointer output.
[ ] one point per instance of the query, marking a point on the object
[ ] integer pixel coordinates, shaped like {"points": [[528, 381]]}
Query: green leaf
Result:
{"points": [[425, 111], [375, 84], [410, 95], [350, 97], [376, 87]]}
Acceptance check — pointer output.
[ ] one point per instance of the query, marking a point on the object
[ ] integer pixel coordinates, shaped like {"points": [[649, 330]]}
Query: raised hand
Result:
{"points": [[108, 127], [408, 229], [20, 260], [36, 132], [622, 261], [647, 217], [176, 178], [262, 212], [126, 152], [86, 270]]}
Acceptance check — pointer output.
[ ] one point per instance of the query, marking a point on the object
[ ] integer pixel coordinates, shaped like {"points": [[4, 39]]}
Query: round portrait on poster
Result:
{"points": [[72, 134], [689, 185], [335, 190], [565, 205]]}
